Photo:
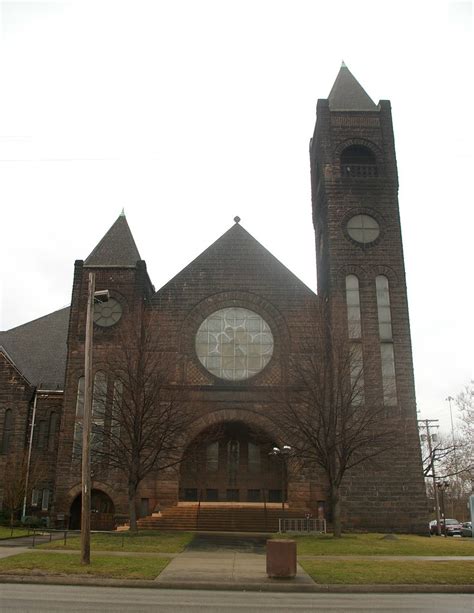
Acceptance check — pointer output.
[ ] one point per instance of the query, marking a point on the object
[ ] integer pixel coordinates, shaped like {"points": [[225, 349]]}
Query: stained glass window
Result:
{"points": [[234, 343]]}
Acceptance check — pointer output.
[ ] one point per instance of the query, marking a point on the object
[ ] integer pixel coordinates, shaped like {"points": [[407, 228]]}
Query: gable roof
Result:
{"points": [[117, 247], [38, 349], [347, 94], [239, 261]]}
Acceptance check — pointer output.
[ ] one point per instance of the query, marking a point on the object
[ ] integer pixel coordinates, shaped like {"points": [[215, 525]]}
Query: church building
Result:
{"points": [[229, 326]]}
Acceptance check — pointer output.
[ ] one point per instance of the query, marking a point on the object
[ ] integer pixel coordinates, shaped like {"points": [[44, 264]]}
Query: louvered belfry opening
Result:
{"points": [[358, 161]]}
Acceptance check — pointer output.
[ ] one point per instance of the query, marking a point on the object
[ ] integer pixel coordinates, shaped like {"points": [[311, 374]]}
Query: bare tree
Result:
{"points": [[326, 417], [15, 486], [465, 403], [142, 430], [453, 465]]}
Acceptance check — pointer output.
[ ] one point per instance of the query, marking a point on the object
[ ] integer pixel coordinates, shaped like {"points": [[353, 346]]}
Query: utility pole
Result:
{"points": [[86, 430], [449, 399], [426, 424]]}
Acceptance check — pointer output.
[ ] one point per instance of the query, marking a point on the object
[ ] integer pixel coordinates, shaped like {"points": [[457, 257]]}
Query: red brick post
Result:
{"points": [[281, 559]]}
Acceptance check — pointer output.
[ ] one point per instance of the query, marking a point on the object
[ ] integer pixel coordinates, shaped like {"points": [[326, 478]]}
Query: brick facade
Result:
{"points": [[236, 271]]}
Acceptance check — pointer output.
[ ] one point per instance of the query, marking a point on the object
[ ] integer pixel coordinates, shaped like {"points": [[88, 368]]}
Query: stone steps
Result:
{"points": [[218, 518]]}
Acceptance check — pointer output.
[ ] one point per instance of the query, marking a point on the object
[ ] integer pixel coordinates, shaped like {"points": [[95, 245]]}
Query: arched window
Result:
{"points": [[358, 161], [7, 431], [353, 306], [53, 424]]}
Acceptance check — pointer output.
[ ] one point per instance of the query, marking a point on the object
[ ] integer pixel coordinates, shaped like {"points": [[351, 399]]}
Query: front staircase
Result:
{"points": [[222, 517]]}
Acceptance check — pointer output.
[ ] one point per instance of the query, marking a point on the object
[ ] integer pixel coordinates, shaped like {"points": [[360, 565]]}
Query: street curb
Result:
{"points": [[278, 586]]}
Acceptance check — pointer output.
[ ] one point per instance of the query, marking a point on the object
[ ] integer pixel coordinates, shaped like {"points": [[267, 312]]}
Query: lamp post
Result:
{"points": [[427, 424], [92, 296], [282, 453]]}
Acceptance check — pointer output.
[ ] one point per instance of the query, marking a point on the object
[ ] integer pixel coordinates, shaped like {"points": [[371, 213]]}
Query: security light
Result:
{"points": [[101, 295]]}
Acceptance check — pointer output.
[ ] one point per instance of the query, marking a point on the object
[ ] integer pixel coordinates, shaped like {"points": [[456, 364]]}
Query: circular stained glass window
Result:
{"points": [[107, 313], [363, 228], [234, 343]]}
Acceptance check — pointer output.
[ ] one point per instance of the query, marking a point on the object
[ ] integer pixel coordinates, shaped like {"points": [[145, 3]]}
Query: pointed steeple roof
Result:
{"points": [[347, 94], [117, 248]]}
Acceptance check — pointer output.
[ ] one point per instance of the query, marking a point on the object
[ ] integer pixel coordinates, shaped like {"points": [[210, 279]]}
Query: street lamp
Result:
{"points": [[426, 424], [282, 453], [92, 297]]}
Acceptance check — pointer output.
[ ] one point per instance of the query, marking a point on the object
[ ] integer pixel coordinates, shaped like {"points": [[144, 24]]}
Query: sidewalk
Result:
{"points": [[238, 569], [220, 569]]}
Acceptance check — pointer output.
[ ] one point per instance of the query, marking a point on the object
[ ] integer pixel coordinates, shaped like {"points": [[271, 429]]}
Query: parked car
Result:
{"points": [[452, 528], [466, 529]]}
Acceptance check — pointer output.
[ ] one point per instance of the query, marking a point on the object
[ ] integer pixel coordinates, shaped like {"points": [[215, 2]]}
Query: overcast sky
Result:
{"points": [[187, 113]]}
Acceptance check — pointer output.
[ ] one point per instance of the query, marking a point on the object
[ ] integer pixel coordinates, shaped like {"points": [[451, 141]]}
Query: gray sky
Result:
{"points": [[187, 113]]}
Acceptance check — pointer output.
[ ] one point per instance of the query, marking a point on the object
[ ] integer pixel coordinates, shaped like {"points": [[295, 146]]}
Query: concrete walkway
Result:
{"points": [[5, 552], [223, 567], [227, 562]]}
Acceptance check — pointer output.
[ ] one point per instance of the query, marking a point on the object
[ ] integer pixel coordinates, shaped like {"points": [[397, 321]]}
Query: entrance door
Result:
{"points": [[229, 464]]}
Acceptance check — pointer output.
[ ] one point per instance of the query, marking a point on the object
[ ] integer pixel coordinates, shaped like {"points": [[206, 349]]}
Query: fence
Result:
{"points": [[303, 524], [46, 535]]}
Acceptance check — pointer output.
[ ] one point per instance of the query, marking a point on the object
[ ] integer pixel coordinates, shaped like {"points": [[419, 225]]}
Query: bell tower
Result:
{"points": [[360, 266]]}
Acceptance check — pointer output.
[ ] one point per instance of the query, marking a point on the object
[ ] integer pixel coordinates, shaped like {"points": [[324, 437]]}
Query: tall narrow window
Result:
{"points": [[98, 411], [77, 446], [233, 460], [386, 341], [116, 417], [35, 497], [45, 500], [353, 306], [212, 457], [357, 374], [253, 457], [53, 424], [383, 308], [388, 374], [41, 440], [7, 431]]}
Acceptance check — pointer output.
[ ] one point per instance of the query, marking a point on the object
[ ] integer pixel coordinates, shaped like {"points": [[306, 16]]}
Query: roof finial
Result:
{"points": [[343, 65], [237, 219], [122, 214]]}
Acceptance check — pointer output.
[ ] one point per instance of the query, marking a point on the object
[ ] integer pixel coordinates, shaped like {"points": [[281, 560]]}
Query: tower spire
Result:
{"points": [[347, 94]]}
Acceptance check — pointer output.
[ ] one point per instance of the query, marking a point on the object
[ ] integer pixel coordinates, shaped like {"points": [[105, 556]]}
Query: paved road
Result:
{"points": [[54, 598]]}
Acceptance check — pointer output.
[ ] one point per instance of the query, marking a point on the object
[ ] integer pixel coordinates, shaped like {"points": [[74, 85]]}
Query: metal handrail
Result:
{"points": [[302, 525]]}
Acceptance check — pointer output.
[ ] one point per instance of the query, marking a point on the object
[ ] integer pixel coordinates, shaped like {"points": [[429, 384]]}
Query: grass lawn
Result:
{"points": [[373, 544], [42, 563], [153, 541], [390, 571], [6, 532]]}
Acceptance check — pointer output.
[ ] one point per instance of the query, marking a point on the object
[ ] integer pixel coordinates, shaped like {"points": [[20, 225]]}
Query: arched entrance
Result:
{"points": [[102, 512], [230, 462]]}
